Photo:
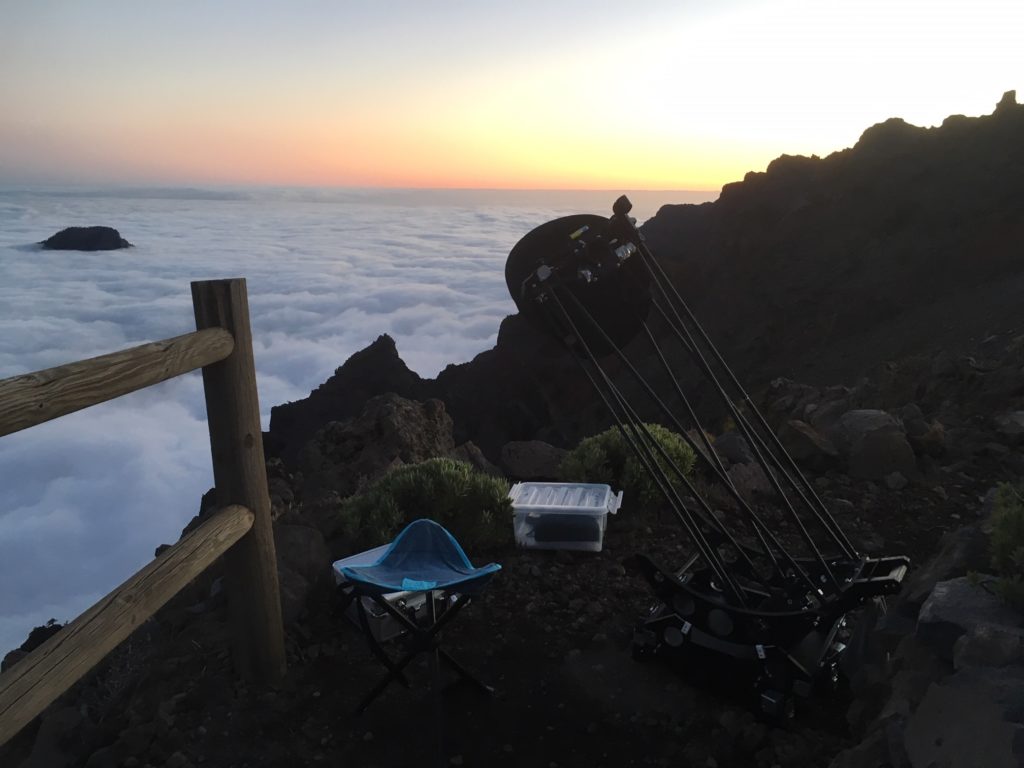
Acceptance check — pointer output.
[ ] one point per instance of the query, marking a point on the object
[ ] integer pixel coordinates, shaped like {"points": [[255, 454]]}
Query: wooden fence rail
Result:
{"points": [[37, 397], [33, 683], [240, 529]]}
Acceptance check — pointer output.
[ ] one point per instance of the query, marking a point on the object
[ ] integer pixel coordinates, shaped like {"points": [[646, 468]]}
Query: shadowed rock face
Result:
{"points": [[86, 239], [816, 270], [375, 370]]}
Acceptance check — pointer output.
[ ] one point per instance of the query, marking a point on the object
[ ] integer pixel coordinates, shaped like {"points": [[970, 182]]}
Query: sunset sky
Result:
{"points": [[663, 94]]}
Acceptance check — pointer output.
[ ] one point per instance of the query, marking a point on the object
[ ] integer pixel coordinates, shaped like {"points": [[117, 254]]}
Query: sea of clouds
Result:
{"points": [[85, 499]]}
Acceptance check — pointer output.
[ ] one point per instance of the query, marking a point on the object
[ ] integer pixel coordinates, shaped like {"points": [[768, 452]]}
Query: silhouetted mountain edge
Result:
{"points": [[816, 269]]}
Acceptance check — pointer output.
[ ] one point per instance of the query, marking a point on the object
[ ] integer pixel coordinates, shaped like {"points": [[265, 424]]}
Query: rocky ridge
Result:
{"points": [[816, 269], [903, 453]]}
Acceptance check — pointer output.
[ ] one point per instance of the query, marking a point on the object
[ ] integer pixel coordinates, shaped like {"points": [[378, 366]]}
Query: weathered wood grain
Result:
{"points": [[33, 398], [27, 688], [239, 472]]}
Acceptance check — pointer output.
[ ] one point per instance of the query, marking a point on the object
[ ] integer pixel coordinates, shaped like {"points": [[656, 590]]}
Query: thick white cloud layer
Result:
{"points": [[84, 500]]}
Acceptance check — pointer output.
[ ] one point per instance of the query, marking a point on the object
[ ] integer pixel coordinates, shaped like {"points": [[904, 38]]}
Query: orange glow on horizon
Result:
{"points": [[502, 97]]}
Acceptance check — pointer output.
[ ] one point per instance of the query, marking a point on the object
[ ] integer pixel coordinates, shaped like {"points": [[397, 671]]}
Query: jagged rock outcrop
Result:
{"points": [[390, 431], [957, 607], [345, 456], [874, 443], [86, 239], [818, 267], [372, 371], [531, 460]]}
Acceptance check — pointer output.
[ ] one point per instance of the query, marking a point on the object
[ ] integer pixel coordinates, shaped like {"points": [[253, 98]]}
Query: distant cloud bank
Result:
{"points": [[86, 499]]}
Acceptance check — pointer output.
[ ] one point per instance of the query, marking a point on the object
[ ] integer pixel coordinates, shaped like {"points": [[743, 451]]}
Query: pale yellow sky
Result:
{"points": [[675, 95]]}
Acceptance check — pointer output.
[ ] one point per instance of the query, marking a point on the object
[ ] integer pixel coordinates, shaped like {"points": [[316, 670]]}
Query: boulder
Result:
{"points": [[50, 749], [972, 719], [732, 447], [960, 551], [895, 481], [882, 747], [531, 460], [874, 444], [929, 441], [989, 645], [750, 481], [1011, 426], [391, 431], [86, 239], [469, 453], [303, 565], [370, 372], [808, 447], [956, 607]]}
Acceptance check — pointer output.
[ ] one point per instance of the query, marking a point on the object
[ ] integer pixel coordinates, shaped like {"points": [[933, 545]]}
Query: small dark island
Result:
{"points": [[86, 239]]}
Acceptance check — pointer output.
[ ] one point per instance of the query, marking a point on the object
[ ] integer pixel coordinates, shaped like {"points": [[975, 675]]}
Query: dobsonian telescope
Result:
{"points": [[746, 608]]}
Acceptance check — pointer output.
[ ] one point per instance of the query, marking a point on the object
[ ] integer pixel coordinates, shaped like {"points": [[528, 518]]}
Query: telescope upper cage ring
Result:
{"points": [[619, 299]]}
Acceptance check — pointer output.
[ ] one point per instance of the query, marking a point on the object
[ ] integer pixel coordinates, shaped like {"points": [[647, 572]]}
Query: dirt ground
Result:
{"points": [[552, 635]]}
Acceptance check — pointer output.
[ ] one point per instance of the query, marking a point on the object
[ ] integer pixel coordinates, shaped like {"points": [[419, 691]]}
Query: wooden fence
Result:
{"points": [[240, 529]]}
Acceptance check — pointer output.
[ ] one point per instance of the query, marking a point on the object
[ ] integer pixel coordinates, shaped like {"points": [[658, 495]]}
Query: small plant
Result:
{"points": [[473, 506], [607, 458], [1008, 543]]}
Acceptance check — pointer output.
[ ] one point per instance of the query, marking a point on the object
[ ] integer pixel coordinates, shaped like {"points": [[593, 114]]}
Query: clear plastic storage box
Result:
{"points": [[562, 515]]}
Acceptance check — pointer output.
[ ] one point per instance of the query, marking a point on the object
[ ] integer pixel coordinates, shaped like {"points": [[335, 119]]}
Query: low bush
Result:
{"points": [[607, 458], [1008, 543], [473, 506]]}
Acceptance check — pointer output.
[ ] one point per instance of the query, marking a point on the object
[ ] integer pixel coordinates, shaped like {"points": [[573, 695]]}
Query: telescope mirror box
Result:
{"points": [[569, 516], [384, 626]]}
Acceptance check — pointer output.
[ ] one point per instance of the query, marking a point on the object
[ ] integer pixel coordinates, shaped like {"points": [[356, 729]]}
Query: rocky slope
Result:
{"points": [[816, 269], [902, 442], [908, 241]]}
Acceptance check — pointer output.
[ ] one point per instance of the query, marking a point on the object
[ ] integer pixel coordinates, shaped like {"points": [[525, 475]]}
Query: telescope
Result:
{"points": [[745, 608]]}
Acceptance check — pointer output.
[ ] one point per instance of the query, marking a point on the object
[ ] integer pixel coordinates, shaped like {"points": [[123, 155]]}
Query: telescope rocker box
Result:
{"points": [[569, 516]]}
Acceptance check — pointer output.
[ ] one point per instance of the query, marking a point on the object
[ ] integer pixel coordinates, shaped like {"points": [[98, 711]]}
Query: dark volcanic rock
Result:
{"points": [[303, 564], [874, 443], [531, 460], [390, 431], [956, 607], [86, 239], [819, 267], [807, 446], [373, 371]]}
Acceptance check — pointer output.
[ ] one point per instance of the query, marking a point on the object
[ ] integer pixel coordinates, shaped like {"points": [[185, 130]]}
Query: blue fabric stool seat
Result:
{"points": [[424, 557]]}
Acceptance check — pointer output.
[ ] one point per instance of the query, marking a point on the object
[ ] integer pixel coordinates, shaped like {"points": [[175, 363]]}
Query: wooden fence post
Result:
{"points": [[239, 472]]}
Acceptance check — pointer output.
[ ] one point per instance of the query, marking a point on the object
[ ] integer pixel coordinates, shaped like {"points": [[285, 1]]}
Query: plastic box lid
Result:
{"points": [[583, 498]]}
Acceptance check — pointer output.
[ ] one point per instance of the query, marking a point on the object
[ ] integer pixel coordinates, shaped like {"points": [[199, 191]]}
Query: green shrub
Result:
{"points": [[607, 458], [1008, 543], [473, 506]]}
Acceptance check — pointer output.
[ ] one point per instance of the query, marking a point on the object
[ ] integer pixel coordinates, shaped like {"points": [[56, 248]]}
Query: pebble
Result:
{"points": [[455, 760], [368, 736]]}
